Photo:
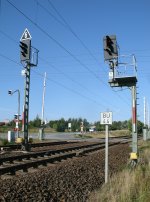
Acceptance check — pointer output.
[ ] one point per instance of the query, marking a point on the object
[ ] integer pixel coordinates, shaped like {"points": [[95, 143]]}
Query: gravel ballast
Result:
{"points": [[70, 181]]}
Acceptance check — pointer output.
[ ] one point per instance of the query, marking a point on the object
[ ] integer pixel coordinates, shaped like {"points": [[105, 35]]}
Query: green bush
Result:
{"points": [[4, 142]]}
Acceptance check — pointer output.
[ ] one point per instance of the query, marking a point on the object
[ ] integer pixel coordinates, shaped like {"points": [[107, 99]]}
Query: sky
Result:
{"points": [[69, 36]]}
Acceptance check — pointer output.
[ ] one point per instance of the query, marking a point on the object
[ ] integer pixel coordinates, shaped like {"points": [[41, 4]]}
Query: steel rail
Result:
{"points": [[47, 157]]}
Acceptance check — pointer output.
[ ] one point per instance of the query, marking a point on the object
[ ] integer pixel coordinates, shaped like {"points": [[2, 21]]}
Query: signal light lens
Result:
{"points": [[110, 47], [25, 50]]}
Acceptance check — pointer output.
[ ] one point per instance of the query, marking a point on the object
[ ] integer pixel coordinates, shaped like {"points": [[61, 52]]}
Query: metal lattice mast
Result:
{"points": [[27, 55], [26, 104]]}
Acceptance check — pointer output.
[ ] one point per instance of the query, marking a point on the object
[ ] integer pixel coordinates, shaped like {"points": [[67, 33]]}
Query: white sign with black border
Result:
{"points": [[69, 125], [26, 35], [106, 118]]}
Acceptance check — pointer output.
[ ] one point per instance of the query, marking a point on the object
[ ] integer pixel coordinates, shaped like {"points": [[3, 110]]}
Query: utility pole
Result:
{"points": [[134, 125], [82, 128], [41, 130], [43, 100], [148, 122], [144, 112], [145, 121], [148, 115]]}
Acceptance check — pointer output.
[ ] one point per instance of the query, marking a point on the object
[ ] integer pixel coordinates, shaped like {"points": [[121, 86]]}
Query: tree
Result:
{"points": [[140, 126], [61, 125], [35, 123], [99, 127]]}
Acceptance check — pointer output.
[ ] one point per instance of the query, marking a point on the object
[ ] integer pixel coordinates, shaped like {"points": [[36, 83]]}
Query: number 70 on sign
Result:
{"points": [[106, 118]]}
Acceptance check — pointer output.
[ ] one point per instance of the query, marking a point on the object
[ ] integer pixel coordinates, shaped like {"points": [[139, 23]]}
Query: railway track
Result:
{"points": [[34, 145], [24, 161], [43, 144]]}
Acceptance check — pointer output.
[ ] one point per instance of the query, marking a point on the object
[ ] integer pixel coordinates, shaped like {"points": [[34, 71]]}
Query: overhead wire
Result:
{"points": [[66, 25], [77, 37], [11, 38], [53, 16], [54, 67], [72, 31], [56, 82], [58, 43], [6, 58], [0, 7], [11, 60], [37, 9], [67, 76], [70, 89]]}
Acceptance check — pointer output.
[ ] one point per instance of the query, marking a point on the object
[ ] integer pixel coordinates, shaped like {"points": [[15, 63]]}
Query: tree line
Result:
{"points": [[121, 125], [61, 125]]}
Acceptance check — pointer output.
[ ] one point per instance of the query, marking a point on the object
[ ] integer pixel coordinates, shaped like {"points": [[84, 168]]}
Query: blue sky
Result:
{"points": [[77, 77]]}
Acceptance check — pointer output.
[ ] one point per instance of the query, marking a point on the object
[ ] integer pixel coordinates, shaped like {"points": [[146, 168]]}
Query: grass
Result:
{"points": [[115, 133], [4, 142], [46, 130], [84, 136], [130, 185], [5, 129]]}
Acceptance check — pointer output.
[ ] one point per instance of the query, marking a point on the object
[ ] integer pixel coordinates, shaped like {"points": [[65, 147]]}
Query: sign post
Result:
{"points": [[106, 119], [69, 127], [82, 128]]}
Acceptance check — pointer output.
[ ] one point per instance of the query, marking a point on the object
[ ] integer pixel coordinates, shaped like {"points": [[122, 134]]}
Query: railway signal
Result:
{"points": [[27, 60], [110, 47], [25, 42], [16, 116], [10, 92], [25, 50], [123, 79], [25, 45]]}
